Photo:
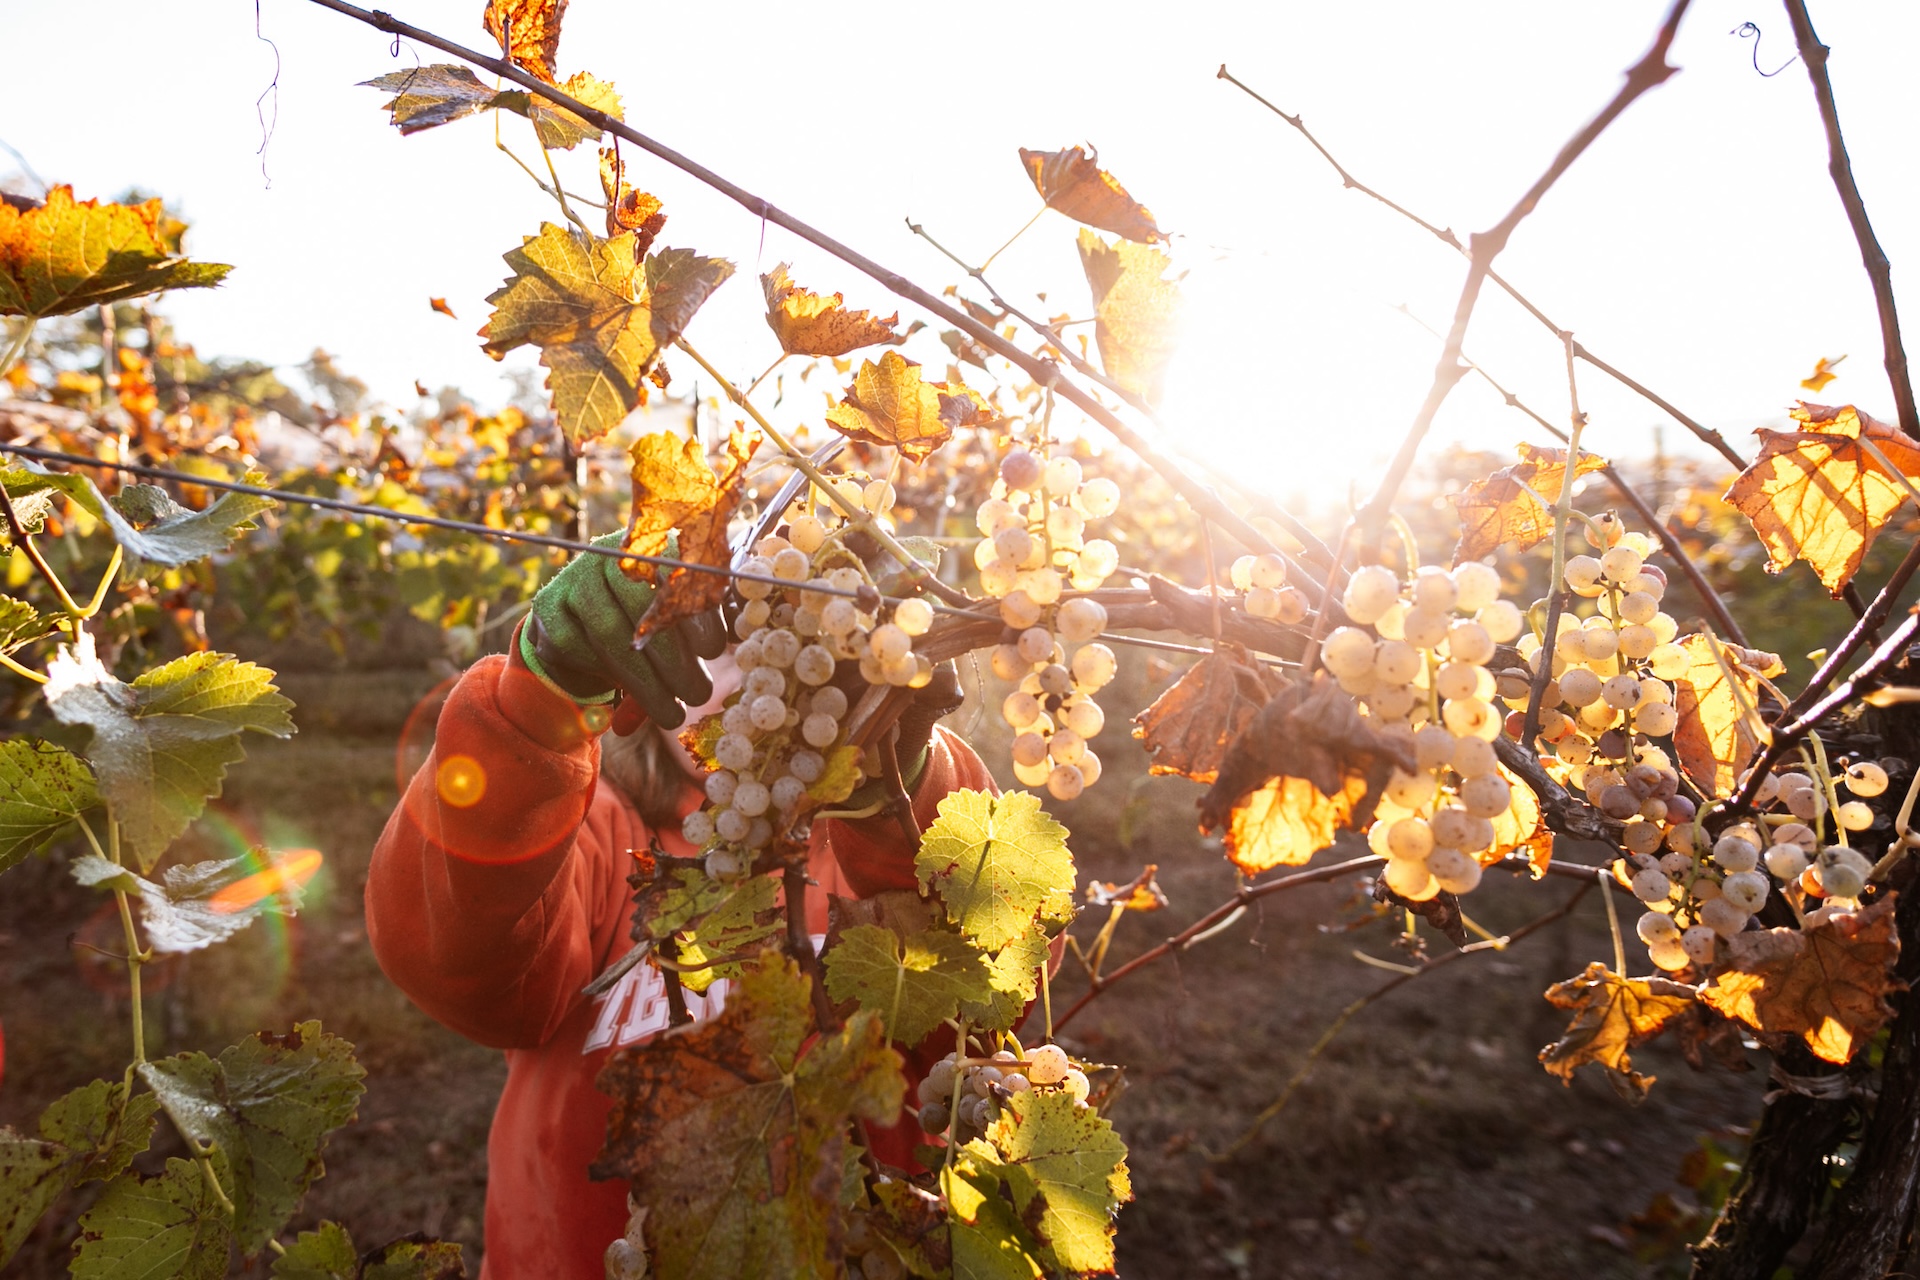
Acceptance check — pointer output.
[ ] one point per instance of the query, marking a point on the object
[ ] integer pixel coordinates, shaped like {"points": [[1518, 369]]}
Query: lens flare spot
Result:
{"points": [[288, 874], [595, 719], [461, 781]]}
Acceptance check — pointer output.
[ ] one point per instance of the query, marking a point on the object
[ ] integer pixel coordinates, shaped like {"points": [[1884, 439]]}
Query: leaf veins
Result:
{"points": [[1506, 507], [1612, 1014]]}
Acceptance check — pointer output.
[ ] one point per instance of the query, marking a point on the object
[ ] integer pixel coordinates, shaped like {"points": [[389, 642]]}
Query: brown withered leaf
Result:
{"points": [[1823, 373], [528, 32], [1828, 984], [1142, 893], [1714, 738], [1499, 509], [674, 488], [628, 209], [1073, 182], [809, 324], [427, 97], [1612, 1014], [440, 305], [1312, 766], [888, 403], [1819, 495], [1136, 311], [1188, 728], [733, 1131], [1709, 1039]]}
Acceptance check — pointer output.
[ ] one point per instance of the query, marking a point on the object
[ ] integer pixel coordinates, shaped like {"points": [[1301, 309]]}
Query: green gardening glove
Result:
{"points": [[580, 637]]}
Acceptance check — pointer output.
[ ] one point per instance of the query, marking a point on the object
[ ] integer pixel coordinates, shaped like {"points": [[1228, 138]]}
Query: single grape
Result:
{"points": [[697, 827], [1476, 586], [752, 798], [1650, 885], [1098, 497], [819, 730], [1084, 717], [1410, 838], [1655, 927], [1080, 620], [1410, 879], [1503, 621], [787, 792], [806, 533], [1746, 890], [1093, 666], [769, 712], [934, 1117], [1583, 575], [1018, 610], [1453, 871], [1047, 1064], [807, 766], [1723, 916], [1021, 470], [1369, 593], [1866, 779], [1348, 651], [732, 825], [1488, 796], [1020, 709], [1061, 477], [1425, 628], [724, 864], [1854, 815], [1620, 564], [733, 751]]}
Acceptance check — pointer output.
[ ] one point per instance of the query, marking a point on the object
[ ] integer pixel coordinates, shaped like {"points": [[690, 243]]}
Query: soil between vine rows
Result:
{"points": [[1426, 1141]]}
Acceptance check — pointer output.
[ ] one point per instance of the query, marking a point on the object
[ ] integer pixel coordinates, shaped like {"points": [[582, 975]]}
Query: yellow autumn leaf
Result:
{"points": [[1073, 182], [675, 488], [1819, 494], [528, 32], [809, 324], [1715, 739], [1289, 820], [1612, 1014], [68, 255], [1136, 311], [889, 404], [1504, 508]]}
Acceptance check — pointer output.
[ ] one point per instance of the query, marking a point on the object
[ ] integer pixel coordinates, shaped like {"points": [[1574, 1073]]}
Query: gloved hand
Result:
{"points": [[580, 636]]}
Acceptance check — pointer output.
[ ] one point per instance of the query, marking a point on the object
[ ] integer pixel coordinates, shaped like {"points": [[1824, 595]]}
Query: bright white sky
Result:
{"points": [[1699, 245]]}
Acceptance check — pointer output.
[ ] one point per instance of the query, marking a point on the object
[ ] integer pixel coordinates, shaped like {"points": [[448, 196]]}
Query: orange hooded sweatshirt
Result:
{"points": [[499, 889]]}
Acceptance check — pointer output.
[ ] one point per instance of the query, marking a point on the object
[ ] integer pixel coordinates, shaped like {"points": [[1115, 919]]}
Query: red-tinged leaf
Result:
{"points": [[528, 32], [1827, 984], [675, 488], [1819, 494]]}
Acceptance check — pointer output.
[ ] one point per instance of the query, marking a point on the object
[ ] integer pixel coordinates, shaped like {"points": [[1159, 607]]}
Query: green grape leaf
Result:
{"points": [[101, 1127], [915, 980], [987, 1240], [1067, 1171], [151, 525], [21, 624], [33, 1173], [171, 1226], [559, 128], [413, 1259], [66, 255], [742, 920], [734, 1137], [1013, 980], [268, 1103], [325, 1253], [426, 97], [43, 788], [998, 862], [161, 746], [599, 319], [191, 910], [680, 893]]}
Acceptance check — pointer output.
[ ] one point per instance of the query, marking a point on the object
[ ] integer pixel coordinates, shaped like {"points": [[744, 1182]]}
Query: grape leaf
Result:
{"points": [[557, 126], [1189, 727], [101, 1128], [1714, 738], [426, 97], [1136, 312], [21, 624], [43, 788], [808, 324], [1306, 766], [889, 404], [1013, 979], [675, 488], [528, 32], [840, 778], [1823, 373], [1612, 1014], [734, 1137], [913, 1222], [997, 863], [599, 319], [66, 256], [914, 980], [1067, 1171], [628, 209], [1828, 984], [143, 518], [325, 1253], [161, 746], [744, 918], [1818, 494], [33, 1173], [415, 1259], [987, 1241], [1073, 182], [169, 1226], [1504, 508], [269, 1103], [1521, 829], [189, 912]]}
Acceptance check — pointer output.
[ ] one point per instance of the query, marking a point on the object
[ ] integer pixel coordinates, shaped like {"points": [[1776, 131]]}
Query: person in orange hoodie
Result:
{"points": [[499, 888]]}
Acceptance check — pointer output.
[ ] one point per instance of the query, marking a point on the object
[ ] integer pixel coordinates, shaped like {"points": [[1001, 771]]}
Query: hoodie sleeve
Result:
{"points": [[497, 887]]}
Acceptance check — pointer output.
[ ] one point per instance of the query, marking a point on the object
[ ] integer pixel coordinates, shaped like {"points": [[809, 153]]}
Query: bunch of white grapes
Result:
{"points": [[1033, 548], [1416, 659], [777, 729], [986, 1084], [1697, 895]]}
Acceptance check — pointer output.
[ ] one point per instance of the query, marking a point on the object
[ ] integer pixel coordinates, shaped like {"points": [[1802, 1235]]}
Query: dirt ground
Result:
{"points": [[1427, 1140]]}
